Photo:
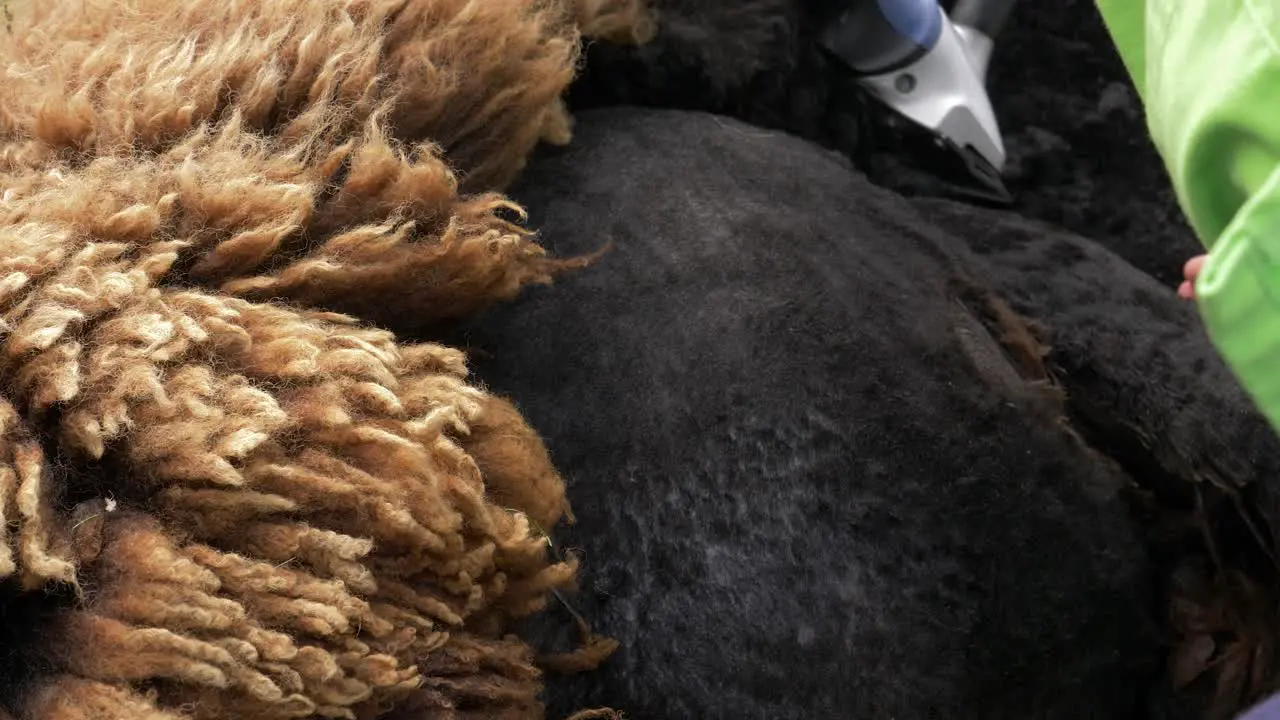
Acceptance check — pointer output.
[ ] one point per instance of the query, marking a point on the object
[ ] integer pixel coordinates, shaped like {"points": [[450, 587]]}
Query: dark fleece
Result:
{"points": [[1133, 358], [1079, 152], [1081, 156], [1143, 383], [755, 60], [809, 482]]}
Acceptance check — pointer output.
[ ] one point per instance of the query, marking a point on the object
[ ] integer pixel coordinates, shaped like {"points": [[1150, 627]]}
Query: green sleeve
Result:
{"points": [[1208, 72], [1123, 19]]}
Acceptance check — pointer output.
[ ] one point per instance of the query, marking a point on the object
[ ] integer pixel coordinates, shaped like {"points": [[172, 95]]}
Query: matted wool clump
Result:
{"points": [[268, 509]]}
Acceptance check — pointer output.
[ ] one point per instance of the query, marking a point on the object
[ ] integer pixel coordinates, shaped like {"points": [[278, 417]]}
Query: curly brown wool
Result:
{"points": [[319, 511], [319, 541], [482, 78], [390, 241], [303, 517], [382, 119]]}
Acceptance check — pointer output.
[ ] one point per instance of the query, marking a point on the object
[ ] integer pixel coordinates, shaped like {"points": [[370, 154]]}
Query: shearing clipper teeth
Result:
{"points": [[931, 71]]}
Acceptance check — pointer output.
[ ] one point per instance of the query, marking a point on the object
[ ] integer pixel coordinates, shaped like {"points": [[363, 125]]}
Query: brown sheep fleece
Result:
{"points": [[405, 234], [270, 510]]}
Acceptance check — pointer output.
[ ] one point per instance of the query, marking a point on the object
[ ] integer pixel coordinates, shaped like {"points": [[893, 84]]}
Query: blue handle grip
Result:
{"points": [[917, 20], [873, 37]]}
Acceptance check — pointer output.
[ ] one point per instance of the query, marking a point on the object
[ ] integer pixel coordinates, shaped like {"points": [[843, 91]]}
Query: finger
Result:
{"points": [[1192, 269], [1187, 290]]}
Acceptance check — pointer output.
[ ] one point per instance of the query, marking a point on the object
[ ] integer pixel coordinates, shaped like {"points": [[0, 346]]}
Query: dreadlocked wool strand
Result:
{"points": [[40, 549]]}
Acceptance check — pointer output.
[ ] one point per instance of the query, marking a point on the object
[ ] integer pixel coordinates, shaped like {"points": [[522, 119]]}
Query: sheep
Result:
{"points": [[817, 467]]}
